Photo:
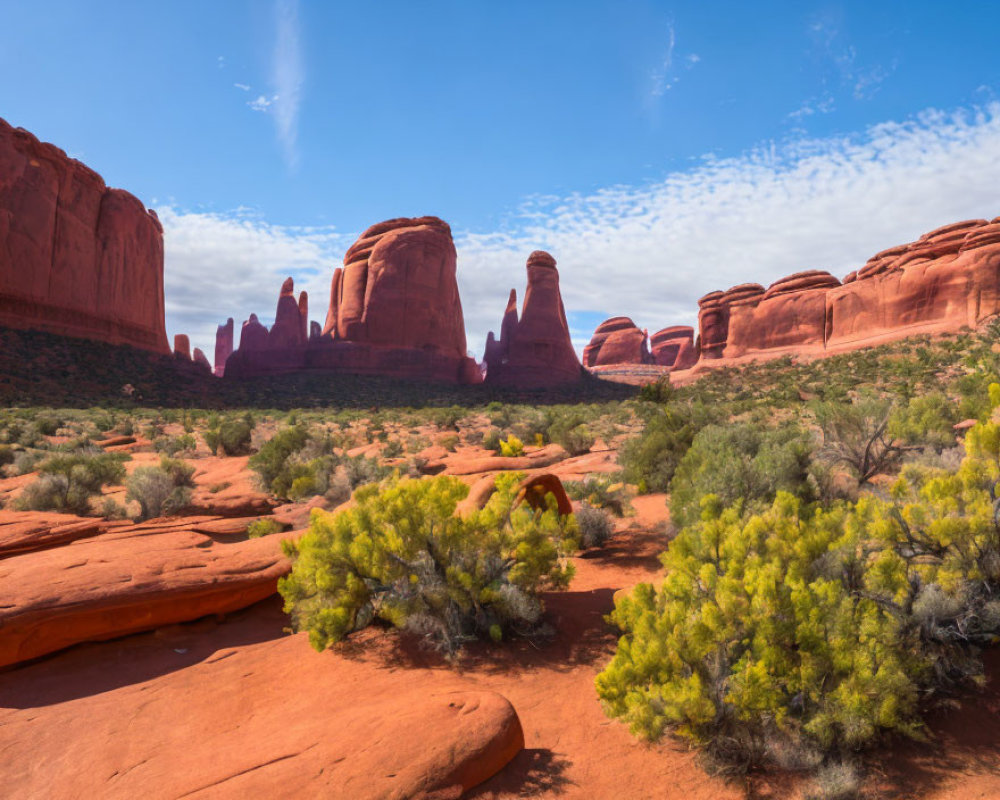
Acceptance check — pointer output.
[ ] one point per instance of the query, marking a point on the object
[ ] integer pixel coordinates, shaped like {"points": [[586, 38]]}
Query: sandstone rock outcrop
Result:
{"points": [[76, 257], [182, 346], [946, 280], [617, 341], [674, 347], [223, 346], [394, 310], [199, 358], [126, 581], [534, 350], [790, 314]]}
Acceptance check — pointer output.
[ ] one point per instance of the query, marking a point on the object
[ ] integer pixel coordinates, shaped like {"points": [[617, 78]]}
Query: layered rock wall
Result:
{"points": [[76, 257]]}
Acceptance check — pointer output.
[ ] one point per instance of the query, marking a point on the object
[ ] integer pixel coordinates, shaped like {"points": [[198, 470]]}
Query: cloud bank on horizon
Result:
{"points": [[647, 251]]}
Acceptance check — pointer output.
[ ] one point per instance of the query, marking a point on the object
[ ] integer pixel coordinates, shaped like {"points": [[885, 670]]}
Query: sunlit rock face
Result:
{"points": [[946, 280], [617, 341], [394, 310], [535, 349], [76, 257]]}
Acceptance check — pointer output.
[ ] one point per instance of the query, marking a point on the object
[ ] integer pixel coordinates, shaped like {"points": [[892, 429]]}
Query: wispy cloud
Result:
{"points": [[647, 251], [662, 80], [288, 76], [243, 87]]}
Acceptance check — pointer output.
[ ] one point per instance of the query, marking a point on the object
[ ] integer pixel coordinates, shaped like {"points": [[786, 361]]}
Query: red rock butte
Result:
{"points": [[394, 310], [946, 280], [535, 350], [76, 257]]}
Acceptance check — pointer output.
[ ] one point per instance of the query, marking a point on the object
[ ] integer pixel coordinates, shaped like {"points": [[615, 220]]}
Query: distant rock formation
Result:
{"points": [[182, 346], [394, 310], [535, 350], [946, 280], [76, 258], [617, 341], [223, 346], [201, 359], [674, 347]]}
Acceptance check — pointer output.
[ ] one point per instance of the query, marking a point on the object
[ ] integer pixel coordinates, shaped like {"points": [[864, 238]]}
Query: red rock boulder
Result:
{"points": [[617, 341], [535, 350], [76, 258]]}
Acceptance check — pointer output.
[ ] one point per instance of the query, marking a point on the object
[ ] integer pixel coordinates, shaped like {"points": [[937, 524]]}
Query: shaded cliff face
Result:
{"points": [[394, 310], [617, 341], [674, 347], [223, 346], [76, 258], [535, 350]]}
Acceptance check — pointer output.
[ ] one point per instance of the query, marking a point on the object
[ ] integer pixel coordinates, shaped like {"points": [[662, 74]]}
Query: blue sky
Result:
{"points": [[660, 150]]}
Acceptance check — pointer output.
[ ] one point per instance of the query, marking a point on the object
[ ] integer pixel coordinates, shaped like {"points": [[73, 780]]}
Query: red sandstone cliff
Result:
{"points": [[394, 310], [76, 258]]}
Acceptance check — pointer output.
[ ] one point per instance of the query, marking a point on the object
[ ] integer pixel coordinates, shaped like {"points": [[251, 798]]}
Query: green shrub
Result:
{"points": [[172, 445], [742, 462], [449, 442], [402, 555], [271, 462], [857, 436], [48, 426], [511, 447], [823, 630], [161, 490], [234, 436], [649, 460], [570, 431], [595, 526], [69, 482], [265, 526], [605, 492], [926, 420], [491, 440]]}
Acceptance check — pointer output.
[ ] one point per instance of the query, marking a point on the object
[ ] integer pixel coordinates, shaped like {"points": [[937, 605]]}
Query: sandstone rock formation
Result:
{"points": [[617, 341], [674, 347], [394, 310], [534, 350], [182, 346], [223, 346], [199, 358], [76, 258], [944, 281], [125, 581]]}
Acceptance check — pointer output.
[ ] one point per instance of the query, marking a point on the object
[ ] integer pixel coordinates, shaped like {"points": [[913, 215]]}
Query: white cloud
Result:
{"points": [[814, 105], [262, 103], [242, 87], [288, 75], [646, 251]]}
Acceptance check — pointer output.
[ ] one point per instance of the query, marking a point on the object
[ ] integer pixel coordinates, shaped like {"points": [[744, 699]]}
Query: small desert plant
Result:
{"points": [[264, 526], [492, 439], [595, 526], [160, 490], [856, 435], [606, 492], [511, 447], [837, 780], [233, 436]]}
